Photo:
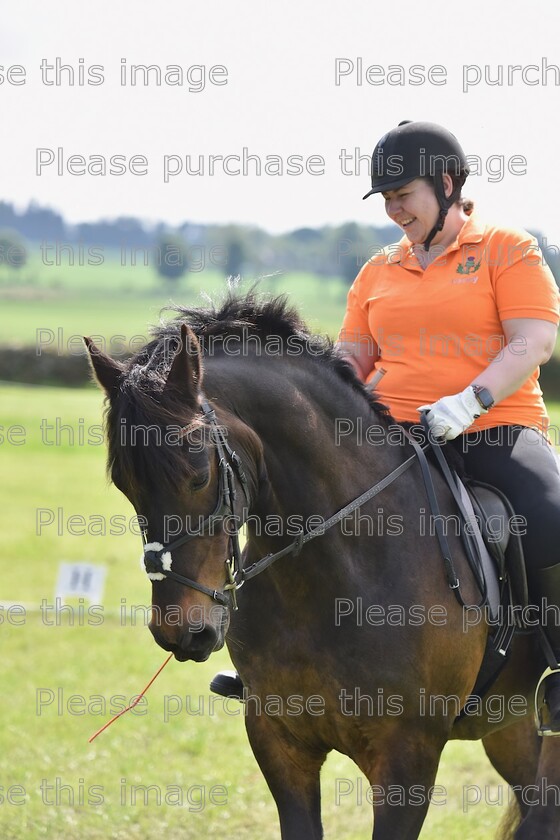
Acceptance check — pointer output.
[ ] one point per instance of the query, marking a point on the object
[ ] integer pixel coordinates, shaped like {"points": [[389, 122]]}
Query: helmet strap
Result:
{"points": [[436, 228], [444, 205]]}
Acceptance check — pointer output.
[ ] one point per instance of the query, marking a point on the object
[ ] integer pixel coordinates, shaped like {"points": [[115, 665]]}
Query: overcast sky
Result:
{"points": [[281, 98]]}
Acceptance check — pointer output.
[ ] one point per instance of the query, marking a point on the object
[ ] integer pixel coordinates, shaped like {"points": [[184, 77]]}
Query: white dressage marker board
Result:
{"points": [[80, 580]]}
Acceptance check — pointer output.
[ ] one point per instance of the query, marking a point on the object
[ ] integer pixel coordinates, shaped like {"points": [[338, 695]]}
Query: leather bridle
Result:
{"points": [[157, 557]]}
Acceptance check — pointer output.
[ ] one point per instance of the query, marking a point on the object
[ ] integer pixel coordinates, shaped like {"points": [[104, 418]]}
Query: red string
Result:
{"points": [[133, 704]]}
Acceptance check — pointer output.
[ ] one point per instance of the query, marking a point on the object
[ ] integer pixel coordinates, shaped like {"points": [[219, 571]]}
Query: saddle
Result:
{"points": [[494, 514], [501, 574], [495, 555]]}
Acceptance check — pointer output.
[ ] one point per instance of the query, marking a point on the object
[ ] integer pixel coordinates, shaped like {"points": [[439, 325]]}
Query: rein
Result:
{"points": [[157, 557]]}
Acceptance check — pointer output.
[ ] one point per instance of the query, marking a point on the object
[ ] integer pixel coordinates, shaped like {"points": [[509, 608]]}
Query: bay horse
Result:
{"points": [[247, 408]]}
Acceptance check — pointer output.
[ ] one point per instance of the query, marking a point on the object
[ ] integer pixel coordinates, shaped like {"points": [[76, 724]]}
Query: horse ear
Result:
{"points": [[106, 370], [185, 374]]}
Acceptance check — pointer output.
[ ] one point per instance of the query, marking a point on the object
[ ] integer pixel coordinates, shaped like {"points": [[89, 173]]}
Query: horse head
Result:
{"points": [[172, 460]]}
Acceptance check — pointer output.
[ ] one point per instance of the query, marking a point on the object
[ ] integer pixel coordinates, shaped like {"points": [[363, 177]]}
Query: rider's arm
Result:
{"points": [[529, 343], [361, 355], [355, 341]]}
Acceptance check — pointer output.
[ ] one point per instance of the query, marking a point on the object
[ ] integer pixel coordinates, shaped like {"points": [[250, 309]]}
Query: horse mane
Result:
{"points": [[261, 316], [141, 403]]}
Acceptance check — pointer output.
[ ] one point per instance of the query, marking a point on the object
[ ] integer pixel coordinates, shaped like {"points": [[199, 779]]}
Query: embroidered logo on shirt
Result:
{"points": [[469, 268], [470, 279]]}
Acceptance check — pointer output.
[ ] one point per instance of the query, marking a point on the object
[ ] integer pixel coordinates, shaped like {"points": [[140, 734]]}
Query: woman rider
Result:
{"points": [[460, 314]]}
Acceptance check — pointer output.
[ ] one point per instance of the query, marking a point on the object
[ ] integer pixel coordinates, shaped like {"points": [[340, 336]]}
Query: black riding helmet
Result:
{"points": [[418, 150]]}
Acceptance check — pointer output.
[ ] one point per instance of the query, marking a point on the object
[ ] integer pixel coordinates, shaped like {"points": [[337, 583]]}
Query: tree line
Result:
{"points": [[332, 251]]}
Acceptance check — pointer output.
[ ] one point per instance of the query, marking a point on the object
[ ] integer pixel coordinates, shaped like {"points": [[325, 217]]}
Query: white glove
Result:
{"points": [[450, 416]]}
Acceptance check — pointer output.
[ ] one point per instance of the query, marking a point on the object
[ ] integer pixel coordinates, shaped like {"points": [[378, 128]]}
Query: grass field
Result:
{"points": [[199, 758], [110, 299], [202, 758]]}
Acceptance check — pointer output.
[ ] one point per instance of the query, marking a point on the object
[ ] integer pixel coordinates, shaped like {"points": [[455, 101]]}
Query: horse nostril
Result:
{"points": [[204, 638]]}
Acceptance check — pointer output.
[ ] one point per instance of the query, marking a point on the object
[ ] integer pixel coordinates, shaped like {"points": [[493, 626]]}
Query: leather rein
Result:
{"points": [[157, 557]]}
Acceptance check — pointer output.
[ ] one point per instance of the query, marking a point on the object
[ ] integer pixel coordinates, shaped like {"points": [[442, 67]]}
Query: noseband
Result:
{"points": [[157, 557]]}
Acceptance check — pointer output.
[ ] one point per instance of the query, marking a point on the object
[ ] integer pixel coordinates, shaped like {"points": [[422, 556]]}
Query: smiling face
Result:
{"points": [[415, 209]]}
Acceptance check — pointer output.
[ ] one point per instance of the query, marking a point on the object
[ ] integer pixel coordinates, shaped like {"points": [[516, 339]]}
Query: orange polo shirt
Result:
{"points": [[437, 329]]}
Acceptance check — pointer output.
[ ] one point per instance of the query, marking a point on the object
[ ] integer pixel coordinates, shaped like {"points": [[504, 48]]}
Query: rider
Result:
{"points": [[459, 315]]}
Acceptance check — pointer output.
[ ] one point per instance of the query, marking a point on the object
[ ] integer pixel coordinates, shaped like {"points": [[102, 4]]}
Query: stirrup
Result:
{"points": [[228, 684], [543, 729]]}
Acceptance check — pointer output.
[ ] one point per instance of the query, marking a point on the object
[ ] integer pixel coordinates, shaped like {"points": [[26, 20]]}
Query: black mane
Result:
{"points": [[140, 402], [260, 316]]}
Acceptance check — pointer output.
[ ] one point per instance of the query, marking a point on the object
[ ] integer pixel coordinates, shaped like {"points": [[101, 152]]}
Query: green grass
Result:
{"points": [[110, 299], [115, 658]]}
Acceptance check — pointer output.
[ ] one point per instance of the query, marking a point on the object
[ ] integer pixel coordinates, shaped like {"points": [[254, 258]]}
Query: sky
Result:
{"points": [[262, 77]]}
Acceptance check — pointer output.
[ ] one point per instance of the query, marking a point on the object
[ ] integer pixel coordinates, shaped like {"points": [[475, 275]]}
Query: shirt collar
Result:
{"points": [[472, 231]]}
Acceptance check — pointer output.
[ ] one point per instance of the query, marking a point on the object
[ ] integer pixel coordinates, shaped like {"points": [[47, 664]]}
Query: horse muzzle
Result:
{"points": [[190, 643]]}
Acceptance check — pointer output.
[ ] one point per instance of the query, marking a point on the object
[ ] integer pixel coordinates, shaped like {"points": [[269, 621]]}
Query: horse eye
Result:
{"points": [[200, 481]]}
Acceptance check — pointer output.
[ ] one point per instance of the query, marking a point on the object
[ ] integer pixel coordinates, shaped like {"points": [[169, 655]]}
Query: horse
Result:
{"points": [[260, 425]]}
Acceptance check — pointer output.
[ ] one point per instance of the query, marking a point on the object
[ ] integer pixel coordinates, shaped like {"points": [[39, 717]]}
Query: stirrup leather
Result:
{"points": [[543, 728]]}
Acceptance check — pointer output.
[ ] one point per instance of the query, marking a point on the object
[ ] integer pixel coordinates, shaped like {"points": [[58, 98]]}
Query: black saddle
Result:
{"points": [[494, 553]]}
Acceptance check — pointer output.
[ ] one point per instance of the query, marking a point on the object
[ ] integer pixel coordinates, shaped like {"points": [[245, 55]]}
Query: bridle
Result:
{"points": [[157, 557]]}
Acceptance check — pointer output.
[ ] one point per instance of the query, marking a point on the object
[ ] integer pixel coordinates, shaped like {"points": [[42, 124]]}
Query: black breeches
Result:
{"points": [[521, 463]]}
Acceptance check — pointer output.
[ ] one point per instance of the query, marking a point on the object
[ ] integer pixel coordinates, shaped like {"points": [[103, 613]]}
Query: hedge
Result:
{"points": [[22, 364]]}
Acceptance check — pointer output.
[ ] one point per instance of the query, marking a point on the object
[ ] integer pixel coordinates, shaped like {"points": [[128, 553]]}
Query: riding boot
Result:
{"points": [[546, 590], [228, 684]]}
